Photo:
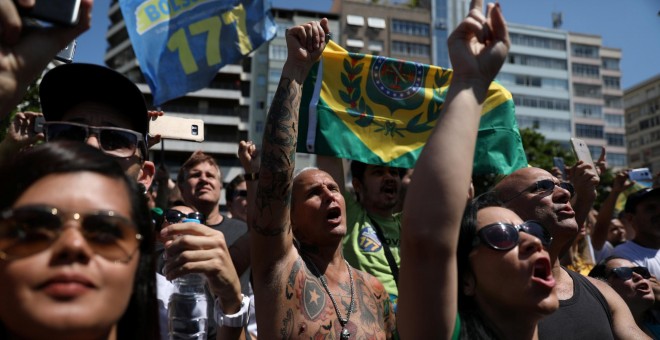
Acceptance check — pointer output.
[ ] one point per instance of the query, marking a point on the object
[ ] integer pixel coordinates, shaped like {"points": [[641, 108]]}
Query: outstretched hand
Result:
{"points": [[479, 45]]}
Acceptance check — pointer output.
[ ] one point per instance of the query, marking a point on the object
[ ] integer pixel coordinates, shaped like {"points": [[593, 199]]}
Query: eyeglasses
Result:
{"points": [[545, 185], [626, 273], [175, 216], [114, 141], [240, 193], [28, 230], [505, 236]]}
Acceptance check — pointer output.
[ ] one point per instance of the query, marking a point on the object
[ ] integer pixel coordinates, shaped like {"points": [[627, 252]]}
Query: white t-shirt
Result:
{"points": [[642, 256]]}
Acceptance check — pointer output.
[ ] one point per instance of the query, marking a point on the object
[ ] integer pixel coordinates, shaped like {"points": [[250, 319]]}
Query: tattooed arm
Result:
{"points": [[271, 238]]}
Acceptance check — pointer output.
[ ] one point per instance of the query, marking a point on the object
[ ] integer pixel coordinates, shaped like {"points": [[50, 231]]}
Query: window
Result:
{"points": [[584, 51], [277, 52], [541, 42], [545, 124], [536, 61], [410, 27], [585, 70], [616, 139], [589, 131], [588, 111], [614, 120], [528, 81], [611, 64], [375, 45], [614, 102], [354, 43], [541, 102], [410, 49], [584, 90], [616, 159], [611, 82], [274, 76]]}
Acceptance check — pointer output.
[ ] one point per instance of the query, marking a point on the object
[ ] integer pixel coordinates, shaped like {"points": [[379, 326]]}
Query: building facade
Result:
{"points": [[642, 112]]}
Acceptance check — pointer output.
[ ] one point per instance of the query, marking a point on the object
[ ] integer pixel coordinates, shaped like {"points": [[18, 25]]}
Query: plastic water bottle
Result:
{"points": [[187, 309]]}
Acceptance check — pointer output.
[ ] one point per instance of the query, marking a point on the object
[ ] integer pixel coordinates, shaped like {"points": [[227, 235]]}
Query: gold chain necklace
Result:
{"points": [[345, 334]]}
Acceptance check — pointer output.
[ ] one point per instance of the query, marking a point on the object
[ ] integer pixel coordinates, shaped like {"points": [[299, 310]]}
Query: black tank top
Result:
{"points": [[586, 315]]}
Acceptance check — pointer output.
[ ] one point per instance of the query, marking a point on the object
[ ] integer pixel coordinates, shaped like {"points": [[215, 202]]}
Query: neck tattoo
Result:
{"points": [[345, 334]]}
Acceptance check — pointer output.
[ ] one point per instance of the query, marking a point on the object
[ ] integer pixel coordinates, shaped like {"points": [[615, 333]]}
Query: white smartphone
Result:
{"points": [[581, 150], [171, 127], [640, 174]]}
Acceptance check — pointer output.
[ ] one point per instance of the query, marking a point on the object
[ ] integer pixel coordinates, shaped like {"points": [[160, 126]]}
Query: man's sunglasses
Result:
{"points": [[240, 193], [175, 216], [114, 141], [505, 236], [545, 185], [30, 229], [626, 273]]}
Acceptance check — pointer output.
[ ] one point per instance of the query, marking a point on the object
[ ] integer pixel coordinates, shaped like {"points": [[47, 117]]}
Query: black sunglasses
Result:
{"points": [[505, 236], [545, 185], [240, 193], [626, 273], [114, 141], [175, 216], [30, 229]]}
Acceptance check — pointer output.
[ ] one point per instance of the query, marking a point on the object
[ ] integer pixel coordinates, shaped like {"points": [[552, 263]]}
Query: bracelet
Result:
{"points": [[251, 176], [238, 319]]}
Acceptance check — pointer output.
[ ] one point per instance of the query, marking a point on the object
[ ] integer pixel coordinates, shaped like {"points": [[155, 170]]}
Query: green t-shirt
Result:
{"points": [[364, 251]]}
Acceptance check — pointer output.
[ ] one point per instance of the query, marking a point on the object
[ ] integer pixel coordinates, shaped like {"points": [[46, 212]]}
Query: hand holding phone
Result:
{"points": [[640, 174], [581, 150], [170, 127]]}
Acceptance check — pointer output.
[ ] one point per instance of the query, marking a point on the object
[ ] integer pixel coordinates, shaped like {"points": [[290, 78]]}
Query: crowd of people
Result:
{"points": [[92, 233]]}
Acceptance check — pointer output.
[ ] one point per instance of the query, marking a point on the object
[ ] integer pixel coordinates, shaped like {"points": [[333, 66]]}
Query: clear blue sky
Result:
{"points": [[631, 25]]}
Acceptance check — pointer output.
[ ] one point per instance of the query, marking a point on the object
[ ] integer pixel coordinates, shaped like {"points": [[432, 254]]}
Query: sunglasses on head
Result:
{"points": [[113, 141], [626, 273], [175, 216], [545, 185], [505, 236], [28, 230]]}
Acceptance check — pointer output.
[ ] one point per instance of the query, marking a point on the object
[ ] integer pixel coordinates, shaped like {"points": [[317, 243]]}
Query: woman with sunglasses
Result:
{"points": [[495, 281], [76, 248], [633, 284]]}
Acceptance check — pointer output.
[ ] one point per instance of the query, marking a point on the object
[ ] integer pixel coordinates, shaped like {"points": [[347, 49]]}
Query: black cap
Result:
{"points": [[67, 85], [638, 196]]}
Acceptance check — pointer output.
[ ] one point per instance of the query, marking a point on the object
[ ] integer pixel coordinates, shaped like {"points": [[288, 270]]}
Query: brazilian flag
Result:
{"points": [[380, 110]]}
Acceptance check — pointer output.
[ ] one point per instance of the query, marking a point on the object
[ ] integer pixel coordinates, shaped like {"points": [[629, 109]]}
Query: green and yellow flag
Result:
{"points": [[381, 110]]}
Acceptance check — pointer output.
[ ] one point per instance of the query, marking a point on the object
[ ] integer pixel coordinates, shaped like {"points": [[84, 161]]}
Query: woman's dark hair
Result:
{"points": [[140, 320], [473, 326]]}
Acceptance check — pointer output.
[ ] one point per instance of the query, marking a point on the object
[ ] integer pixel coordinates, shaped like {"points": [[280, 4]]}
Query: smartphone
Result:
{"points": [[559, 163], [171, 127], [39, 124], [581, 150], [66, 54], [640, 174], [58, 12]]}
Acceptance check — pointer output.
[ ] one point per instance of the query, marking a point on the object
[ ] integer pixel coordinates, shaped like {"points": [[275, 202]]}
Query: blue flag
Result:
{"points": [[181, 44]]}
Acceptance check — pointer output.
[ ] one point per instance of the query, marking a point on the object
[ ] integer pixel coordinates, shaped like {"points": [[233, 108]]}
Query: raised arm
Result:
{"points": [[436, 195], [27, 51], [606, 212], [271, 238]]}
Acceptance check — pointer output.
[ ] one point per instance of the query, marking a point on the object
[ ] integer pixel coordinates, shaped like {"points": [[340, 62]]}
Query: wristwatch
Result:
{"points": [[238, 319]]}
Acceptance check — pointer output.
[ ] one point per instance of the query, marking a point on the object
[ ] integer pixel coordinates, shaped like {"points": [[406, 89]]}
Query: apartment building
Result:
{"points": [[642, 121], [396, 29]]}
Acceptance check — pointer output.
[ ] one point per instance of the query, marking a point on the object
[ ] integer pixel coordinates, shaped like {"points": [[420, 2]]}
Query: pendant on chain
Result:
{"points": [[345, 334]]}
